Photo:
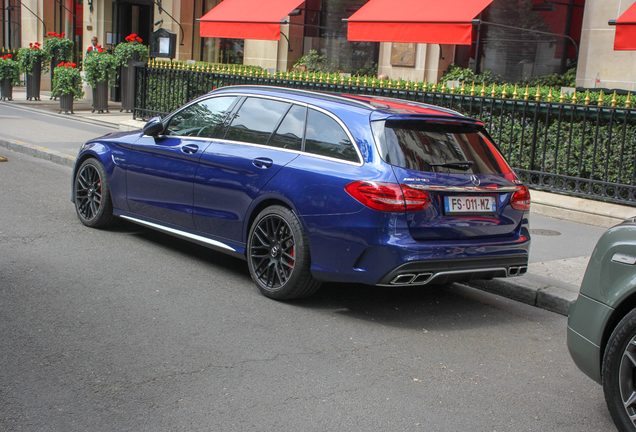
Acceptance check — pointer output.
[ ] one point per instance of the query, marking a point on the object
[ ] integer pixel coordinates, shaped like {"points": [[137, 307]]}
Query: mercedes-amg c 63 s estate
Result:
{"points": [[310, 187]]}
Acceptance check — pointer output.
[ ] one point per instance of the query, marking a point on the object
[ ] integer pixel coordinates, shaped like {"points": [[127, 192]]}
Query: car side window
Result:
{"points": [[201, 119], [290, 133], [256, 120], [326, 137]]}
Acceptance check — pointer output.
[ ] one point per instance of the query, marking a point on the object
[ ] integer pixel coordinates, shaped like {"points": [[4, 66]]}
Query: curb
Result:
{"points": [[541, 295], [39, 152]]}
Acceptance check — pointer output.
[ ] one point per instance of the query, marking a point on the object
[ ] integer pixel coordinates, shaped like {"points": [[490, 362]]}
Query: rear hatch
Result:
{"points": [[469, 182]]}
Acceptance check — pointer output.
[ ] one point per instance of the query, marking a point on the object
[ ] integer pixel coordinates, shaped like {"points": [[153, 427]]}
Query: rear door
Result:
{"points": [[469, 182], [264, 136]]}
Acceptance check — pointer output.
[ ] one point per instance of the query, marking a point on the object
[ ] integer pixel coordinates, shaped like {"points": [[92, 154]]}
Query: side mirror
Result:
{"points": [[154, 127]]}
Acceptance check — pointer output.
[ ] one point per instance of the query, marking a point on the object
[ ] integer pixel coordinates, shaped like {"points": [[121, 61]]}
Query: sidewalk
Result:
{"points": [[551, 284]]}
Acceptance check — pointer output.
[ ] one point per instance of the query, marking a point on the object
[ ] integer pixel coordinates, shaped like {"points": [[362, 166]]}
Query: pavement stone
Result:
{"points": [[550, 285]]}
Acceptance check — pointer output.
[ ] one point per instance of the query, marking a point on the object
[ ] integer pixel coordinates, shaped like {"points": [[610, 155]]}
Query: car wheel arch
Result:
{"points": [[626, 306], [78, 164], [260, 205]]}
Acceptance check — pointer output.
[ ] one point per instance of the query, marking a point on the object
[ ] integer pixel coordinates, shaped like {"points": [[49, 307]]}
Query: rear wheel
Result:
{"points": [[278, 255], [619, 373], [92, 195]]}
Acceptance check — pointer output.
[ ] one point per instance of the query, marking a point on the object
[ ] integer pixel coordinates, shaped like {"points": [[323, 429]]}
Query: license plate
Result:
{"points": [[470, 204]]}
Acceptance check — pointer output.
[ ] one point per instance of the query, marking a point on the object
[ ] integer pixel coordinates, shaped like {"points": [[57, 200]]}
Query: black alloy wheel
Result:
{"points": [[619, 373], [278, 255], [92, 195]]}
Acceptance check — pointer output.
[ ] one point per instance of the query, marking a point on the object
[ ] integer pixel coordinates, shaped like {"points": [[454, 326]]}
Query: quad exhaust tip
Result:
{"points": [[517, 271], [426, 277]]}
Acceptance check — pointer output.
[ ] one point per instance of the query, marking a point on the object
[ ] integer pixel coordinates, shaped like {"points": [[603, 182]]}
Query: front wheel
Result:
{"points": [[278, 255], [619, 373], [92, 195]]}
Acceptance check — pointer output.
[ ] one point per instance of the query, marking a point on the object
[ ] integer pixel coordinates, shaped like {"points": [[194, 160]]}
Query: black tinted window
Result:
{"points": [[203, 119], [435, 147], [290, 133], [256, 120], [326, 137]]}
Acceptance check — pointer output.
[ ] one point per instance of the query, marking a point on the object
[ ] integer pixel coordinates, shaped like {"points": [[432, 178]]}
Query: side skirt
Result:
{"points": [[199, 239]]}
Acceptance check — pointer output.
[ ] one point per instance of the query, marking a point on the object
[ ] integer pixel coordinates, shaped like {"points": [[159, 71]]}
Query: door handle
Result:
{"points": [[190, 148], [263, 162]]}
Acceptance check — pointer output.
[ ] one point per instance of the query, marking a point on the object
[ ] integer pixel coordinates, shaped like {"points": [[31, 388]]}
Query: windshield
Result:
{"points": [[437, 147]]}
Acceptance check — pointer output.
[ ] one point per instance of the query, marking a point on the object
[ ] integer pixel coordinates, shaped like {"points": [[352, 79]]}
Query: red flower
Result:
{"points": [[63, 34], [61, 64], [73, 65]]}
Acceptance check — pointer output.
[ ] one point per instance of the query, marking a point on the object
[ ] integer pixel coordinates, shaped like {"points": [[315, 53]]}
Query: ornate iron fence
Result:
{"points": [[581, 150]]}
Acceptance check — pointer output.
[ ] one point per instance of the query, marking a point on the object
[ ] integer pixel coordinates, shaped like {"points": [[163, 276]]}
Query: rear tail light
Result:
{"points": [[388, 197], [520, 200]]}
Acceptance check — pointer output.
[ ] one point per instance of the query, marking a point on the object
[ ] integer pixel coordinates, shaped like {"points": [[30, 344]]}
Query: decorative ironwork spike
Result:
{"points": [[600, 98], [628, 102], [381, 83], [358, 80], [321, 77], [434, 88], [537, 96], [562, 97], [587, 97], [526, 95], [574, 99], [452, 88], [373, 82], [390, 83], [366, 83], [472, 89], [463, 89], [408, 85], [494, 90], [550, 95], [483, 89], [313, 78], [342, 79], [515, 95], [503, 93]]}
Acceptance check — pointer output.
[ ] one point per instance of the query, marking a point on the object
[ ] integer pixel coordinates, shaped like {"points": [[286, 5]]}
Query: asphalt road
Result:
{"points": [[131, 330]]}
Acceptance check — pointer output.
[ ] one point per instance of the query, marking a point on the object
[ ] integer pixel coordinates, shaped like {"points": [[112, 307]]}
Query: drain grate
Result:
{"points": [[544, 232]]}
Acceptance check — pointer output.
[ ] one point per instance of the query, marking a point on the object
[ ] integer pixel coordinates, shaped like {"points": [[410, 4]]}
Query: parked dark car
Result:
{"points": [[310, 187], [602, 322]]}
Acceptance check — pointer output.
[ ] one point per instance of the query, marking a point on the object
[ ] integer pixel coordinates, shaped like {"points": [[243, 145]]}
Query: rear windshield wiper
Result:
{"points": [[460, 165]]}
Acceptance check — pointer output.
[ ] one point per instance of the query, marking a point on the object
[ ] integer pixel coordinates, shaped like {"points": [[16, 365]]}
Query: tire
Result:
{"points": [[619, 373], [278, 255], [93, 203]]}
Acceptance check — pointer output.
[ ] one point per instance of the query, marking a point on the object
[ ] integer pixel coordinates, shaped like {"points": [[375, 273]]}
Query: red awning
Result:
{"points": [[625, 39], [246, 19], [417, 21]]}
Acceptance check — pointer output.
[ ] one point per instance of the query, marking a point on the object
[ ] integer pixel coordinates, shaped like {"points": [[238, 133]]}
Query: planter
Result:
{"points": [[129, 83], [6, 89], [100, 97], [66, 103], [33, 82]]}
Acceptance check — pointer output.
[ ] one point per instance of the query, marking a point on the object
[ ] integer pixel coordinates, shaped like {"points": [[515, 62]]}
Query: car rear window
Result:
{"points": [[437, 147], [326, 137]]}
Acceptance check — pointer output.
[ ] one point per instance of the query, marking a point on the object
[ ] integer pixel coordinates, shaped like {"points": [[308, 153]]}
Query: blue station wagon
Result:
{"points": [[310, 187]]}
